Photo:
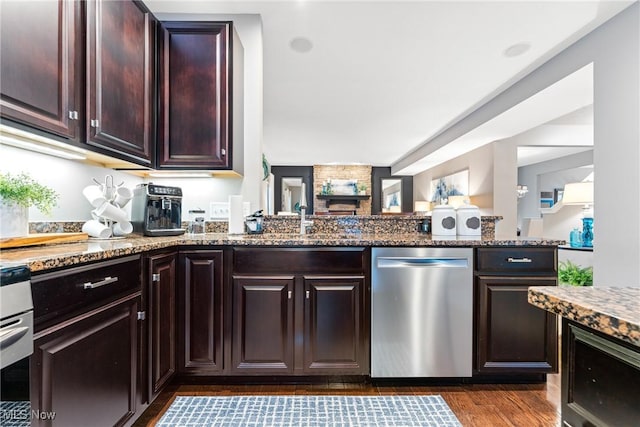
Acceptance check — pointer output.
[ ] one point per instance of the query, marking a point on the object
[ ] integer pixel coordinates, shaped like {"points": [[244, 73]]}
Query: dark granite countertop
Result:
{"points": [[613, 311], [47, 257]]}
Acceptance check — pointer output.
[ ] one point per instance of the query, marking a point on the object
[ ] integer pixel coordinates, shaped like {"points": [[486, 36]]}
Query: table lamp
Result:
{"points": [[581, 193]]}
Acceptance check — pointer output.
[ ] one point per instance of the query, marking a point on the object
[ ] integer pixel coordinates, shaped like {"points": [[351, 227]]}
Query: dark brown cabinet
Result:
{"points": [[600, 378], [201, 99], [85, 364], [300, 311], [200, 312], [120, 38], [161, 320], [512, 336], [262, 325], [334, 331], [40, 74]]}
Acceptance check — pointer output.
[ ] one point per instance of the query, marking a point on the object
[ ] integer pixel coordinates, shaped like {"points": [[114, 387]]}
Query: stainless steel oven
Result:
{"points": [[16, 345]]}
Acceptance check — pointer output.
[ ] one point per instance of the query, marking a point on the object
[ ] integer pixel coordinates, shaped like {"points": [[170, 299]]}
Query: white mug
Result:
{"points": [[96, 229], [94, 195], [123, 195], [111, 212], [122, 228]]}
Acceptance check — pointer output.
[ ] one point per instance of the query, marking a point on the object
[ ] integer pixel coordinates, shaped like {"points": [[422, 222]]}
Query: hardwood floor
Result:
{"points": [[475, 405]]}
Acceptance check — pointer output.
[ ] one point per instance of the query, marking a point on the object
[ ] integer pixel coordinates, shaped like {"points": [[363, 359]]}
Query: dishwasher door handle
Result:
{"points": [[421, 262]]}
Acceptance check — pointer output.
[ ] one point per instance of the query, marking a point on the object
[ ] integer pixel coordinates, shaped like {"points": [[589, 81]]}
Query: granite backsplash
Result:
{"points": [[324, 224]]}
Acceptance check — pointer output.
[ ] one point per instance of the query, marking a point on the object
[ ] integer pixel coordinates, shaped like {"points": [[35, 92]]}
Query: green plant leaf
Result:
{"points": [[574, 275], [25, 191]]}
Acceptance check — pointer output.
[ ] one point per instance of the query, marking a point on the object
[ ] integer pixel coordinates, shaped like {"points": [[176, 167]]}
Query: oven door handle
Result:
{"points": [[11, 335]]}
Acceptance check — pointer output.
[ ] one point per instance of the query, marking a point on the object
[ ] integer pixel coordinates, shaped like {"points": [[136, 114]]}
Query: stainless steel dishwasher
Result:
{"points": [[422, 312]]}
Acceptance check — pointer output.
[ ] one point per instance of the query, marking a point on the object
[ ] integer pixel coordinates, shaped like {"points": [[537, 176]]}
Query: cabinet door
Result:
{"points": [[161, 316], [512, 335], [120, 79], [40, 71], [200, 313], [600, 378], [194, 79], [262, 325], [334, 335], [85, 368]]}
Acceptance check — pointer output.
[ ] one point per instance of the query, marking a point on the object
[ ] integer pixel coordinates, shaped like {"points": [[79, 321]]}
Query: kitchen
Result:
{"points": [[616, 157]]}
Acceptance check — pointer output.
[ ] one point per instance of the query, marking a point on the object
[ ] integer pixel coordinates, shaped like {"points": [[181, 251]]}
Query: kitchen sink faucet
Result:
{"points": [[304, 223]]}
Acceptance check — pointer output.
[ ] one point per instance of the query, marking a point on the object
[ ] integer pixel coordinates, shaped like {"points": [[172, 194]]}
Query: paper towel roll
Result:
{"points": [[236, 215]]}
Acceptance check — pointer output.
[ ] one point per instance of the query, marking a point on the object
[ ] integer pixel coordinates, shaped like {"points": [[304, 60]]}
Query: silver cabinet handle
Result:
{"points": [[519, 260], [308, 294], [155, 277], [11, 335], [105, 281], [289, 294]]}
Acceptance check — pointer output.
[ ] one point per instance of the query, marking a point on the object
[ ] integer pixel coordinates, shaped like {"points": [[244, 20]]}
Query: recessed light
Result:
{"points": [[301, 44], [516, 49]]}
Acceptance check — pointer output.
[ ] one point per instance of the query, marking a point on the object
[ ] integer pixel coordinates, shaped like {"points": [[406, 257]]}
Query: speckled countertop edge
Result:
{"points": [[46, 257], [610, 310]]}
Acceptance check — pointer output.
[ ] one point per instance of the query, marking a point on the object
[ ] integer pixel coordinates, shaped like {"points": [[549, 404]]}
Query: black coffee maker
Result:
{"points": [[156, 210]]}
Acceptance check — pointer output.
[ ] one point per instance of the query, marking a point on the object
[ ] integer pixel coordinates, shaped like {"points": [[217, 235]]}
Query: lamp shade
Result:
{"points": [[578, 193], [421, 206]]}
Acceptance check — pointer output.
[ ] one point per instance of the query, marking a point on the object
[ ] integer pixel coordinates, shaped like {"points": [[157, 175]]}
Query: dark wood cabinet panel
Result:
{"points": [[262, 325], [512, 335], [199, 71], [200, 304], [300, 311], [345, 261], [120, 80], [335, 325], [40, 75], [85, 369], [517, 261], [600, 378], [63, 294], [161, 317]]}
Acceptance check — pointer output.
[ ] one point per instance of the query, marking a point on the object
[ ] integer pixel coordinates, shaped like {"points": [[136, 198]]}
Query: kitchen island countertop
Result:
{"points": [[48, 257], [610, 310]]}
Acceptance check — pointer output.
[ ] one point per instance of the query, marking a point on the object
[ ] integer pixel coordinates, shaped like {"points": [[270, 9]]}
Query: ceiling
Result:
{"points": [[370, 81]]}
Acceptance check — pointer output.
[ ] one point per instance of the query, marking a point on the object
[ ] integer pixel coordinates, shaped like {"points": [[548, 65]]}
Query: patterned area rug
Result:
{"points": [[308, 411]]}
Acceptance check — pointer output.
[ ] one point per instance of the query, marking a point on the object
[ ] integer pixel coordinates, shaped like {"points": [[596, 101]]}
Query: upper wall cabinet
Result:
{"points": [[45, 66], [120, 79], [201, 96], [40, 77]]}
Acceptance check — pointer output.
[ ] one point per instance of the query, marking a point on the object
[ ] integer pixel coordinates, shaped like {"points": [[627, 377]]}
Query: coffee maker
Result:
{"points": [[156, 210]]}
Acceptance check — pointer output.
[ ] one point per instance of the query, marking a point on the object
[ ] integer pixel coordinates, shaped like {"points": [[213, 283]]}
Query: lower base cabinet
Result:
{"points": [[161, 320], [200, 312], [600, 378], [512, 337], [334, 326], [300, 311], [85, 369]]}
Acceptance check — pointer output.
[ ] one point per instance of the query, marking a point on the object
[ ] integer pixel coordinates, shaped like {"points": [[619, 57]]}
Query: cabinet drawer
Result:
{"points": [[65, 293], [299, 260], [514, 260]]}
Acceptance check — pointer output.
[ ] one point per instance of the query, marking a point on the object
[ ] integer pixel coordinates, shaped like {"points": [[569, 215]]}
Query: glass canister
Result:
{"points": [[196, 225], [575, 238]]}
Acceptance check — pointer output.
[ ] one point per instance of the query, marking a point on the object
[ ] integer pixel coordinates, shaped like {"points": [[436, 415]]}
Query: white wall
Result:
{"points": [[614, 49], [480, 165], [505, 182], [66, 177]]}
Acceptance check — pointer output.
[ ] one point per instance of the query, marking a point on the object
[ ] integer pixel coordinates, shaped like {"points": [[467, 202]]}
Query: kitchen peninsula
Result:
{"points": [[221, 307], [600, 352]]}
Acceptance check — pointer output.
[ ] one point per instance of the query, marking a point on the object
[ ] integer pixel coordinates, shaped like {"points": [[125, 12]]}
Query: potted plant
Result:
{"points": [[574, 275], [17, 194], [362, 189]]}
